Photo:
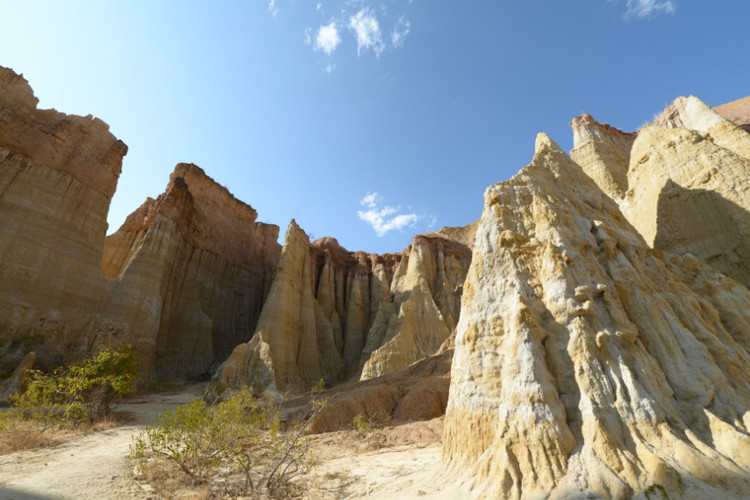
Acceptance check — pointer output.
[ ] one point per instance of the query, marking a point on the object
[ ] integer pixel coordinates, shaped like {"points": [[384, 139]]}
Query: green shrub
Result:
{"points": [[78, 394], [242, 436], [361, 424], [653, 489]]}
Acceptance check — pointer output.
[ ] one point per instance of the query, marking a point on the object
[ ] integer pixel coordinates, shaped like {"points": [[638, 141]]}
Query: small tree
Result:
{"points": [[80, 393]]}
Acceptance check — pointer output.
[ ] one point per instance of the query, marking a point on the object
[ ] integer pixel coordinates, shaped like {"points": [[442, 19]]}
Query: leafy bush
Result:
{"points": [[78, 394], [242, 436]]}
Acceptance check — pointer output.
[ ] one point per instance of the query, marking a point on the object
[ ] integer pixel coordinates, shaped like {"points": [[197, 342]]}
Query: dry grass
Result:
{"points": [[167, 481], [19, 435]]}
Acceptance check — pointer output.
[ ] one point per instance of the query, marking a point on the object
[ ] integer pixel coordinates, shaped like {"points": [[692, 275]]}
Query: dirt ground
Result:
{"points": [[386, 462], [92, 467]]}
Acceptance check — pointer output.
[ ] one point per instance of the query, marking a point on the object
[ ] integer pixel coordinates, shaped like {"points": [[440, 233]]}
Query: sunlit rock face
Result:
{"points": [[337, 315], [587, 364], [683, 181], [183, 280], [190, 272]]}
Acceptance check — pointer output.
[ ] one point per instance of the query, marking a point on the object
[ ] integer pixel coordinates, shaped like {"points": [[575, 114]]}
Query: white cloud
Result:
{"points": [[272, 8], [328, 38], [367, 31], [318, 6], [369, 200], [400, 31], [386, 219], [647, 8]]}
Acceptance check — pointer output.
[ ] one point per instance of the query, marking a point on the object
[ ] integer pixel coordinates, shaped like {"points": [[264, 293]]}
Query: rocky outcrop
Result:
{"points": [[190, 273], [682, 181], [335, 314], [587, 364], [425, 306], [690, 187], [737, 112], [603, 152], [417, 392], [183, 280], [57, 175]]}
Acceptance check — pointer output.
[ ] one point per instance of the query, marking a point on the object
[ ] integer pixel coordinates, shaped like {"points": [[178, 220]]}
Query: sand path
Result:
{"points": [[92, 467]]}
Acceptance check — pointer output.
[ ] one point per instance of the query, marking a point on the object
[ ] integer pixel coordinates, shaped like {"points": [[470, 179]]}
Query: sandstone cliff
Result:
{"points": [[335, 314], [183, 280], [57, 175], [682, 182], [190, 272], [588, 364]]}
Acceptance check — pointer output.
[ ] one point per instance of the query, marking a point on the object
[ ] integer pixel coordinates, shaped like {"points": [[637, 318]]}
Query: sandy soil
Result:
{"points": [[389, 462], [92, 467], [392, 462]]}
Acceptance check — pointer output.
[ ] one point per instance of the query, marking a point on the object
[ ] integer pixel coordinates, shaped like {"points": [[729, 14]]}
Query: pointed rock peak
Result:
{"points": [[294, 232], [585, 121], [688, 112], [543, 142], [206, 189]]}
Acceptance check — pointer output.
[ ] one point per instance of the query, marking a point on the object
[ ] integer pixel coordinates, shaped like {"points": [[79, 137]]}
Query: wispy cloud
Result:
{"points": [[647, 8], [366, 30], [400, 31], [386, 218], [272, 8], [327, 38]]}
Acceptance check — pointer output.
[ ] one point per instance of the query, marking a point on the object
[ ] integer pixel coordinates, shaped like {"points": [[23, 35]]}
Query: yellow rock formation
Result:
{"points": [[588, 365]]}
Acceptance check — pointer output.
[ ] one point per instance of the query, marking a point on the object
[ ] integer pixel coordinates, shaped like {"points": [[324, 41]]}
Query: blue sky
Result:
{"points": [[365, 120]]}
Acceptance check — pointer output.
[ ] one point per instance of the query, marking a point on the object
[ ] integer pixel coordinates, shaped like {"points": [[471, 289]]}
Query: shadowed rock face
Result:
{"points": [[197, 267], [587, 363], [335, 314], [688, 146], [57, 175], [183, 280]]}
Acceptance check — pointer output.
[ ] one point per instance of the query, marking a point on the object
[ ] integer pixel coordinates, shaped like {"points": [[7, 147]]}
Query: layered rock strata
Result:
{"points": [[335, 314], [190, 273], [587, 364], [683, 181], [183, 280], [58, 173]]}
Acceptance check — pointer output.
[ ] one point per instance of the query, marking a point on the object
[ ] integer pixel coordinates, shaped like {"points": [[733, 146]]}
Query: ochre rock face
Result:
{"points": [[197, 267], [603, 152], [425, 306], [335, 314], [587, 364], [57, 175], [183, 280], [683, 181]]}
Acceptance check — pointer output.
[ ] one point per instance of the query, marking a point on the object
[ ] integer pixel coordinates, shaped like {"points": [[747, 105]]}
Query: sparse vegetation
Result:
{"points": [[57, 406], [652, 490], [361, 424], [238, 447]]}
